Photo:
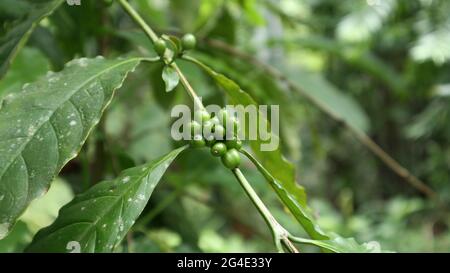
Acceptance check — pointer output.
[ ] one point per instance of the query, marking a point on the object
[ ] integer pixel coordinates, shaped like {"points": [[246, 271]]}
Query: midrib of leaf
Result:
{"points": [[29, 138], [119, 197], [92, 225]]}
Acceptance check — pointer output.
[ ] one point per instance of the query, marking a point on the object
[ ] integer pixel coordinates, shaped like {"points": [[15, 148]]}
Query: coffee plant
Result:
{"points": [[58, 118]]}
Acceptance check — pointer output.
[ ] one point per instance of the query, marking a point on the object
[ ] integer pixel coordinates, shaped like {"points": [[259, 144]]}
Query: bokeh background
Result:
{"points": [[380, 65]]}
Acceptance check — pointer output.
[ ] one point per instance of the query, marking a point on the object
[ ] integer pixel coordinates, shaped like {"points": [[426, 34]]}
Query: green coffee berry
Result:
{"points": [[195, 128], [208, 130], [188, 41], [210, 142], [218, 149], [198, 141], [234, 143], [160, 47], [202, 115], [231, 159]]}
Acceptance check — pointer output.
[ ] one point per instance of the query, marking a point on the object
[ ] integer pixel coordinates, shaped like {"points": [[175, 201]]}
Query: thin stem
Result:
{"points": [[317, 243], [289, 245], [263, 210], [279, 246], [153, 37], [151, 59], [302, 240], [139, 20], [188, 87], [393, 164], [195, 61], [280, 235]]}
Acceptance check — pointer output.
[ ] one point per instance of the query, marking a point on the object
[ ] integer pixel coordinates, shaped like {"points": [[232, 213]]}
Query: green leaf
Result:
{"points": [[345, 245], [251, 10], [16, 35], [45, 125], [98, 219], [14, 8], [170, 77], [174, 42], [208, 14], [286, 193]]}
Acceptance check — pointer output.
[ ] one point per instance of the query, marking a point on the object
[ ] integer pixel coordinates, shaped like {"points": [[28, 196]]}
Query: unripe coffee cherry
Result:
{"points": [[160, 47], [208, 130], [210, 142], [195, 128], [231, 159], [234, 144], [202, 115], [188, 41], [218, 149], [198, 142]]}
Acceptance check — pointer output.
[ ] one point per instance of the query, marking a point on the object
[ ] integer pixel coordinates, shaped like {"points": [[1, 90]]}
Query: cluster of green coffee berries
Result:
{"points": [[219, 133], [188, 42]]}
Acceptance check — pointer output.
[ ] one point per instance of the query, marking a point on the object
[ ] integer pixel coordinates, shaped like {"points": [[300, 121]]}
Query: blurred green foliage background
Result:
{"points": [[380, 65]]}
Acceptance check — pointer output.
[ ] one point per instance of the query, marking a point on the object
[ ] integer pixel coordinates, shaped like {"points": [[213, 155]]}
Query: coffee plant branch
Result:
{"points": [[280, 235], [362, 137], [188, 87]]}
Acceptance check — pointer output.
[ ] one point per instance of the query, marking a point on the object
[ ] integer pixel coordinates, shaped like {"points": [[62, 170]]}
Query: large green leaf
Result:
{"points": [[44, 126], [18, 31], [98, 219]]}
